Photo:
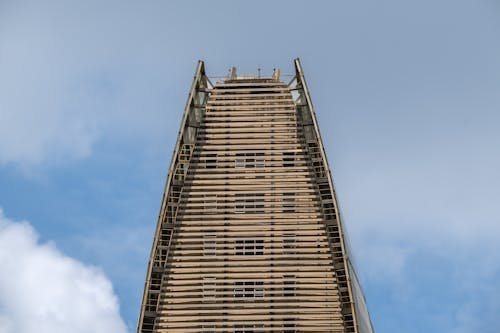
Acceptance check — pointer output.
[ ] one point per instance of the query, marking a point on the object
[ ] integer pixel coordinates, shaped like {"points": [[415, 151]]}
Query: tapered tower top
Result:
{"points": [[249, 236]]}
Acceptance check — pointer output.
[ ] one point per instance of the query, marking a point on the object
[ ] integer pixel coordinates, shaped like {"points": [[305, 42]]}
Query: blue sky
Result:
{"points": [[406, 92]]}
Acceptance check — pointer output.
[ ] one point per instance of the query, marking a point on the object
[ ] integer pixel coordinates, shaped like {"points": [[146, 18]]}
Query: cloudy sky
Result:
{"points": [[91, 96]]}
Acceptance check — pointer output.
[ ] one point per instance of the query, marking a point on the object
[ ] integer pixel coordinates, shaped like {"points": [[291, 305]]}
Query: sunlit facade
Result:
{"points": [[249, 237]]}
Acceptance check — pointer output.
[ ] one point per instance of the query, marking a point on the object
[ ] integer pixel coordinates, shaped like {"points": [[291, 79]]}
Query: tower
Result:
{"points": [[249, 236]]}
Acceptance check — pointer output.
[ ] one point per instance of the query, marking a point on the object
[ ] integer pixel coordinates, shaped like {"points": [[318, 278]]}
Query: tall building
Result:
{"points": [[249, 236]]}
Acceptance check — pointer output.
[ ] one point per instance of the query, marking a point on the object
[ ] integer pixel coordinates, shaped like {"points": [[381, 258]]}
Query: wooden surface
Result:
{"points": [[247, 240]]}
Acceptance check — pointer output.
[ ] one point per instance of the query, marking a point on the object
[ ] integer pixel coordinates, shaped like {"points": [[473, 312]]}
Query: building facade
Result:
{"points": [[249, 236]]}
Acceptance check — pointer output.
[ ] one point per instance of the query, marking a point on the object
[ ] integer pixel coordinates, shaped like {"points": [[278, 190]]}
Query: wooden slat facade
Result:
{"points": [[248, 238]]}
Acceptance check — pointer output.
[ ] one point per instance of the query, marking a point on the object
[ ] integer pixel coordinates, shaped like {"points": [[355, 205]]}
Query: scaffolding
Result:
{"points": [[249, 237]]}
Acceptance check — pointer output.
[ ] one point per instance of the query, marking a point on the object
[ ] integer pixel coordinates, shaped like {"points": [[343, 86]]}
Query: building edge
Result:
{"points": [[192, 115], [361, 317], [190, 119]]}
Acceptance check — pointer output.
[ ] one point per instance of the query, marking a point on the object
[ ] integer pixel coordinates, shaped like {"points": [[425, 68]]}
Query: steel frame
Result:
{"points": [[249, 236]]}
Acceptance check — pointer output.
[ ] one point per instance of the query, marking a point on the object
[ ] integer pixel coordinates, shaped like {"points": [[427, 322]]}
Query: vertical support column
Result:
{"points": [[354, 307], [192, 117]]}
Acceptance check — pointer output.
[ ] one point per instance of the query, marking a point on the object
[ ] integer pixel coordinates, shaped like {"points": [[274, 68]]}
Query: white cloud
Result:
{"points": [[42, 290], [40, 115], [72, 75]]}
